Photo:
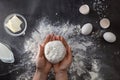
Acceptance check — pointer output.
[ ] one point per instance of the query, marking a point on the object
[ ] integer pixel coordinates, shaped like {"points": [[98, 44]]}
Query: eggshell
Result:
{"points": [[86, 29], [104, 23], [109, 37], [84, 9]]}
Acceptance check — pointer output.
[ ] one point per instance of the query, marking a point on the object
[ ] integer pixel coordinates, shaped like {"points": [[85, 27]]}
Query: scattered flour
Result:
{"points": [[77, 41], [83, 66]]}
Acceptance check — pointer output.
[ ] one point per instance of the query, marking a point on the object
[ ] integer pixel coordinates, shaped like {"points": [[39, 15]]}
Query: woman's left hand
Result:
{"points": [[42, 63]]}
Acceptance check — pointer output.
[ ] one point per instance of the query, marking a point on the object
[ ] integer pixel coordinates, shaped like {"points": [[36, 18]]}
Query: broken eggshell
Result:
{"points": [[86, 29], [84, 9], [105, 23], [6, 55], [109, 37]]}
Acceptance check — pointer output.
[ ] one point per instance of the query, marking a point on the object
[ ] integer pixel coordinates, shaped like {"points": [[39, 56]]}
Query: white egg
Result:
{"points": [[6, 54], [84, 9], [109, 37], [86, 29]]}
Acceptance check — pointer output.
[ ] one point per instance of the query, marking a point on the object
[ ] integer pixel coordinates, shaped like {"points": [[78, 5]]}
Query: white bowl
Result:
{"points": [[15, 34]]}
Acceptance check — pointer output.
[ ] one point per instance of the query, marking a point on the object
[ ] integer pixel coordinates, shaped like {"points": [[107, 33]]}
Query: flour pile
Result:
{"points": [[84, 66]]}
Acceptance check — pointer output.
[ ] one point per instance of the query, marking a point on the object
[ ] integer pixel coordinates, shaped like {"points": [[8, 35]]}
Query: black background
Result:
{"points": [[67, 10]]}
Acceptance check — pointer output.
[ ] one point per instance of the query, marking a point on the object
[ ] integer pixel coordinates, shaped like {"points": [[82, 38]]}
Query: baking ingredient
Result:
{"points": [[6, 54], [55, 51], [84, 9], [86, 29], [81, 47], [14, 24], [109, 37], [105, 23]]}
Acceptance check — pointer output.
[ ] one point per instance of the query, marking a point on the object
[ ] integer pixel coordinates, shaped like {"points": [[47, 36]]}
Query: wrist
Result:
{"points": [[42, 71], [61, 71], [61, 75], [42, 75]]}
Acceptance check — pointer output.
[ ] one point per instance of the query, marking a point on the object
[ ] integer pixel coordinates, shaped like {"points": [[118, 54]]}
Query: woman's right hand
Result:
{"points": [[62, 66]]}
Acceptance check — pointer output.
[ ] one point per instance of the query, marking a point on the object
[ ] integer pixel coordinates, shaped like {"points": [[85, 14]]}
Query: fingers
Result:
{"points": [[61, 39], [41, 51], [64, 42], [69, 55], [41, 60], [57, 37], [52, 36], [47, 39], [68, 49]]}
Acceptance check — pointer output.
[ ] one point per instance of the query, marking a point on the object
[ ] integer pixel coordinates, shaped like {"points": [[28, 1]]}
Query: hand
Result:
{"points": [[42, 64], [65, 63]]}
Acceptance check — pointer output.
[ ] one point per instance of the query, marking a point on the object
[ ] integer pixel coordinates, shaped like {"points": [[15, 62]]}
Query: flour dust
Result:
{"points": [[82, 67]]}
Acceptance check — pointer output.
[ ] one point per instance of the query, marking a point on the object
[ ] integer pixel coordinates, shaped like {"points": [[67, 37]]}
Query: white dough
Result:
{"points": [[109, 37], [54, 51], [86, 29], [84, 9], [6, 54], [105, 23]]}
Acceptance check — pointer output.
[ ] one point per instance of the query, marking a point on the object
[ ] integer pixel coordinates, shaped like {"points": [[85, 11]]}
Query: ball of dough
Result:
{"points": [[55, 51]]}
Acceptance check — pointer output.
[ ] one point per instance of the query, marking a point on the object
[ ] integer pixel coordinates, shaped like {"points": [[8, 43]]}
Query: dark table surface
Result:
{"points": [[62, 11]]}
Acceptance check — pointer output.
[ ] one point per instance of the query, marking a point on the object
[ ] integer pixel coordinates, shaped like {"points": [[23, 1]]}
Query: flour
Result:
{"points": [[80, 48]]}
